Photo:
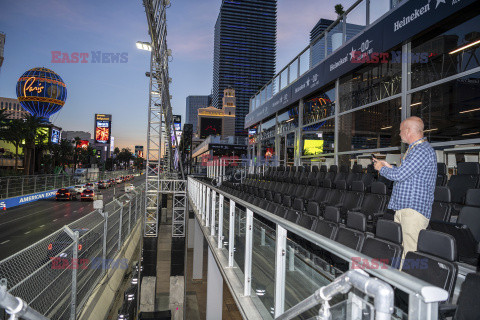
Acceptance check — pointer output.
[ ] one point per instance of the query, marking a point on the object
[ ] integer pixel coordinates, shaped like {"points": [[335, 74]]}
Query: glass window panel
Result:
{"points": [[450, 111], [374, 127], [445, 53], [293, 70], [356, 20], [318, 51], [377, 9], [319, 106], [276, 85], [239, 254], [369, 84], [318, 138], [288, 120], [334, 38], [263, 263], [269, 91], [284, 76], [226, 225], [305, 62]]}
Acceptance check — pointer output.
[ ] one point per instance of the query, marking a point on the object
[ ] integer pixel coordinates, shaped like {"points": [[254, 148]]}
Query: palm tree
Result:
{"points": [[31, 125], [14, 133]]}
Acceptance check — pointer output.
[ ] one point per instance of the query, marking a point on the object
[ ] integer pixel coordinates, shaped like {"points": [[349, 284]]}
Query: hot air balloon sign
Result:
{"points": [[41, 92]]}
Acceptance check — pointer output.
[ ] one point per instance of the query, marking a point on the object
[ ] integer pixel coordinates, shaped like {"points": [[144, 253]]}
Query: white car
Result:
{"points": [[79, 189], [129, 187]]}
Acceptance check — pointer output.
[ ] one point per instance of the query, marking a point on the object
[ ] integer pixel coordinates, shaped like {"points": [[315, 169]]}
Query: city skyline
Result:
{"points": [[119, 88]]}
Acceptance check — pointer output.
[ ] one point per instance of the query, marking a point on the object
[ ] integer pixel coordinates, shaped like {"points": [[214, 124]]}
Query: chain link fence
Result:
{"points": [[16, 186], [57, 274]]}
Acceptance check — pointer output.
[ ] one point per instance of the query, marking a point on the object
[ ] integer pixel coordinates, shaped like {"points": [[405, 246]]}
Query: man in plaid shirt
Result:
{"points": [[414, 182]]}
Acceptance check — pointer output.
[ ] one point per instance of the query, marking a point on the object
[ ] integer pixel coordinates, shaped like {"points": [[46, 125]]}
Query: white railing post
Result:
{"points": [[220, 222], [280, 247], [248, 254], [212, 219], [207, 211], [231, 235]]}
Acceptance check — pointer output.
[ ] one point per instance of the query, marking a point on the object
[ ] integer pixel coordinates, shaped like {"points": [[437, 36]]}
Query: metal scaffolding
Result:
{"points": [[160, 129]]}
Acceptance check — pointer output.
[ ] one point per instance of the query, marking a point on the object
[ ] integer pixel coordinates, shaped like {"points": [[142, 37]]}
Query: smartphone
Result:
{"points": [[373, 157]]}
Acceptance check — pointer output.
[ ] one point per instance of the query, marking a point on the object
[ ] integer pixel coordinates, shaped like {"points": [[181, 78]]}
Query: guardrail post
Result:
{"points": [[280, 247], [105, 230], [74, 264], [220, 222], [119, 244], [248, 254], [231, 236]]}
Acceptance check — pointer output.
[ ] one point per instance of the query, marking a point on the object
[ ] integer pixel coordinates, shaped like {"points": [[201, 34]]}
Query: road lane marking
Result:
{"points": [[5, 242], [28, 232]]}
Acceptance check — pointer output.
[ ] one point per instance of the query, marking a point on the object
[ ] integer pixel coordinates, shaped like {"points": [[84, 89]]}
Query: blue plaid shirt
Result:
{"points": [[414, 180]]}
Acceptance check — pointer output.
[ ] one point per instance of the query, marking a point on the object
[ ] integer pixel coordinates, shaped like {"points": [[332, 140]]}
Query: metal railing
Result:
{"points": [[57, 274], [227, 169], [16, 186], [272, 269]]}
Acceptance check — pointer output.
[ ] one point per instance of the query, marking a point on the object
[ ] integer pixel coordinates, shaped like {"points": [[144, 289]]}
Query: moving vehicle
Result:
{"points": [[87, 194], [79, 189], [103, 184], [129, 187], [66, 194], [90, 186], [119, 180]]}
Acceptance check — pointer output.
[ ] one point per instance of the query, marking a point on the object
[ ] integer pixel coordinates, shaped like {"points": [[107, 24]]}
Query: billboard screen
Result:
{"points": [[210, 126], [312, 147], [55, 137], [83, 144], [177, 122], [252, 132], [139, 151], [103, 126]]}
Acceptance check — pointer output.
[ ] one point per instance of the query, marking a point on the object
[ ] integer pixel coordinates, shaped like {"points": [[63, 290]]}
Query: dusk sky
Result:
{"points": [[36, 28]]}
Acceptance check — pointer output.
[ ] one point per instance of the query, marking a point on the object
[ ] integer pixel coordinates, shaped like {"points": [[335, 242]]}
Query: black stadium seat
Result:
{"points": [[441, 174], [467, 178], [466, 230], [442, 204], [354, 175], [387, 244], [353, 234], [328, 226]]}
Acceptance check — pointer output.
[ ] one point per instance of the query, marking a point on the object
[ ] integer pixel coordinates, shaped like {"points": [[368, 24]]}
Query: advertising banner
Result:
{"points": [[103, 127]]}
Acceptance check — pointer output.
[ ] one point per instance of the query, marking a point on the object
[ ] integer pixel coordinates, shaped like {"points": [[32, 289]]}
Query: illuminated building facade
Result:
{"points": [[244, 51], [14, 109], [194, 103], [351, 103], [218, 122]]}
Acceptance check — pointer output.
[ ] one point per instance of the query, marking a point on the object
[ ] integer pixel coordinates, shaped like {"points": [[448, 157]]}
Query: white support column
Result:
{"points": [[214, 289], [198, 253], [280, 248], [248, 253], [191, 233], [220, 222], [213, 210], [231, 236]]}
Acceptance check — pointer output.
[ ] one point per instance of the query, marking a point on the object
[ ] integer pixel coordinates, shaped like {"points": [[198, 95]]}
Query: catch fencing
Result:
{"points": [[56, 275]]}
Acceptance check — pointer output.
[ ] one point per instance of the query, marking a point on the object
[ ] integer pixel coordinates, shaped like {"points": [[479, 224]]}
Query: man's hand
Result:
{"points": [[379, 164]]}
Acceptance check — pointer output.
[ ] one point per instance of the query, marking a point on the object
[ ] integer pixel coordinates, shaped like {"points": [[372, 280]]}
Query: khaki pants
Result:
{"points": [[412, 223]]}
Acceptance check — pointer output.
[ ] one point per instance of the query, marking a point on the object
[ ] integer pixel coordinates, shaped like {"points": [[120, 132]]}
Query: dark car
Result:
{"points": [[66, 194], [87, 194], [103, 184], [87, 241]]}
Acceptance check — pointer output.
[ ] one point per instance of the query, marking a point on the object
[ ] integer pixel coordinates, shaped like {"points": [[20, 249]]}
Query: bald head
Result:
{"points": [[411, 129]]}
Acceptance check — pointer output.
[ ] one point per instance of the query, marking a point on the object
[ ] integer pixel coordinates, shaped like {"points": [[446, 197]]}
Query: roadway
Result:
{"points": [[26, 224]]}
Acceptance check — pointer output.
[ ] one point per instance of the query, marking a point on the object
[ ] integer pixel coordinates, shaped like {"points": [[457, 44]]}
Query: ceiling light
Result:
{"points": [[465, 47], [470, 134], [471, 110]]}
